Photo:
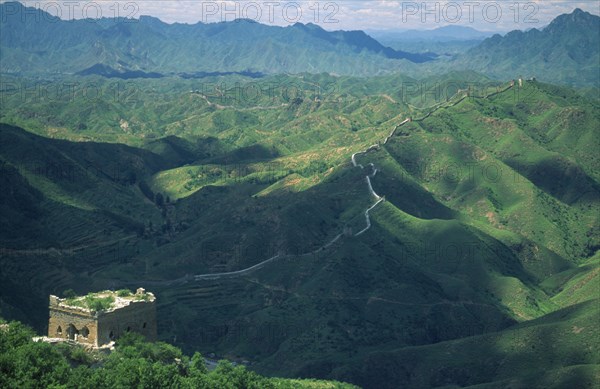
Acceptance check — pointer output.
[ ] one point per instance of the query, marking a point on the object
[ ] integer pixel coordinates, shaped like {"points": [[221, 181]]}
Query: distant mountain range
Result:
{"points": [[41, 43], [442, 34], [566, 51]]}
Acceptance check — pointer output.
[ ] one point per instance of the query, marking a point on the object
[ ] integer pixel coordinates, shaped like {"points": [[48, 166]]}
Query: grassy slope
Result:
{"points": [[555, 351], [447, 258]]}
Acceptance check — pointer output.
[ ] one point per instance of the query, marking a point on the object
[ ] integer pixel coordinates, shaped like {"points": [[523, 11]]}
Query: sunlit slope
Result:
{"points": [[472, 238], [478, 159], [471, 248]]}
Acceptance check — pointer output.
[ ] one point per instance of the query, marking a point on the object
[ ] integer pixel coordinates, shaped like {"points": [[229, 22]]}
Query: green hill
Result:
{"points": [[555, 351], [489, 228]]}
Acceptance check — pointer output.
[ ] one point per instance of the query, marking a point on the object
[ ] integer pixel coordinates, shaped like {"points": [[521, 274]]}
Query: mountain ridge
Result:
{"points": [[151, 45], [564, 51]]}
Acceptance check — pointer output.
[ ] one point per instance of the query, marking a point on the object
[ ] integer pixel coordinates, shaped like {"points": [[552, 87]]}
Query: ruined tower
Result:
{"points": [[99, 318]]}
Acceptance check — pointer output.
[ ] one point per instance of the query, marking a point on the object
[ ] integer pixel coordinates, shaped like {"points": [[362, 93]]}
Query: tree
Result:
{"points": [[24, 363], [198, 364], [135, 363]]}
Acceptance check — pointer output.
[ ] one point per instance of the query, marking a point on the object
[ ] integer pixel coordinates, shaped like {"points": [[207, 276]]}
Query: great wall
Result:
{"points": [[71, 323], [461, 94]]}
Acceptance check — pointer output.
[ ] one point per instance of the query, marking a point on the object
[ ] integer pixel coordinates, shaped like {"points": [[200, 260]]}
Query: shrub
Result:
{"points": [[99, 303], [134, 363], [124, 293]]}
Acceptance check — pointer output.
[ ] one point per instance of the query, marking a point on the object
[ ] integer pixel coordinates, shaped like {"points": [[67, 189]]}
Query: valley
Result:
{"points": [[386, 217]]}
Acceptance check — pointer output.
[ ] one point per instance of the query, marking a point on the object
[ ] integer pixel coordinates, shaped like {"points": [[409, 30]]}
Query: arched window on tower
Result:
{"points": [[85, 332], [59, 331], [72, 332]]}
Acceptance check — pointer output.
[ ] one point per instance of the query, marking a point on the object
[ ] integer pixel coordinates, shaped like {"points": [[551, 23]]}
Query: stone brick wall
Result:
{"points": [[72, 324], [138, 316], [100, 328]]}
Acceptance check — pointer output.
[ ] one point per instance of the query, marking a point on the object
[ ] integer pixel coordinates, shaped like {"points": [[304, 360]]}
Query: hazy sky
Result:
{"points": [[500, 15]]}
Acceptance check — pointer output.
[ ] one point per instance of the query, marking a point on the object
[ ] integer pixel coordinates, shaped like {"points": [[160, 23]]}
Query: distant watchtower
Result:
{"points": [[99, 318]]}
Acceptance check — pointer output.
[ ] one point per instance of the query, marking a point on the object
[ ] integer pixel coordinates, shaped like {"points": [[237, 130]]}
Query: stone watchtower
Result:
{"points": [[99, 318]]}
